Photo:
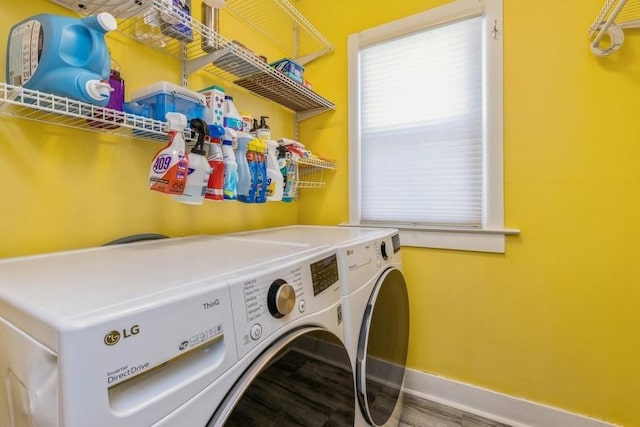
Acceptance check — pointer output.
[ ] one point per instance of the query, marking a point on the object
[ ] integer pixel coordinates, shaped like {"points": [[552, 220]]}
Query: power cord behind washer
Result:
{"points": [[137, 238]]}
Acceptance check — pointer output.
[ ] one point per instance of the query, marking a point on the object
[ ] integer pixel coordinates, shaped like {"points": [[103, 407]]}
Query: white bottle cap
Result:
{"points": [[107, 21], [217, 4], [97, 89]]}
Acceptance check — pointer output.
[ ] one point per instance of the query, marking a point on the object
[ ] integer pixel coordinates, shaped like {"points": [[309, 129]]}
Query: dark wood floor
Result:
{"points": [[275, 399]]}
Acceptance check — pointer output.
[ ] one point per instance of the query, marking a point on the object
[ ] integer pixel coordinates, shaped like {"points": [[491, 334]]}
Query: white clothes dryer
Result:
{"points": [[375, 306], [158, 333]]}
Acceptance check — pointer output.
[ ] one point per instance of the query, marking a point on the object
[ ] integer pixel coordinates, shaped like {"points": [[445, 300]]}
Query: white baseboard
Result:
{"points": [[496, 406]]}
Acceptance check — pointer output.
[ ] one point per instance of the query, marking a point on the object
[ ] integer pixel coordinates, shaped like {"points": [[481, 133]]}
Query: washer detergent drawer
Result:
{"points": [[133, 369]]}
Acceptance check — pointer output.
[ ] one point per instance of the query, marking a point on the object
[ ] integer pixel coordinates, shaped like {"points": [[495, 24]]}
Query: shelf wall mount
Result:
{"points": [[606, 34]]}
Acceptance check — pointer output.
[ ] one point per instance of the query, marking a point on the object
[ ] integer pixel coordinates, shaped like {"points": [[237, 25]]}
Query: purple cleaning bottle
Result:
{"points": [[117, 84], [116, 101]]}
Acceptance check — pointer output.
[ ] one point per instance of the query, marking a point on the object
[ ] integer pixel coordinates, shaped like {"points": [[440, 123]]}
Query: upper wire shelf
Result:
{"points": [[223, 58], [276, 20], [43, 107], [606, 32]]}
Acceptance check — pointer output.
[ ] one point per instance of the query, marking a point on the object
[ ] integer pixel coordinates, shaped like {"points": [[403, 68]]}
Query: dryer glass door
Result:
{"points": [[303, 379], [382, 348]]}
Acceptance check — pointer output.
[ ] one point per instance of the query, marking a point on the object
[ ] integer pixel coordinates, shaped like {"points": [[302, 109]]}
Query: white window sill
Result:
{"points": [[464, 239]]}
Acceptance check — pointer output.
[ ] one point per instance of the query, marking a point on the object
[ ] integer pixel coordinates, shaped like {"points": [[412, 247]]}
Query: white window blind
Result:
{"points": [[421, 127], [426, 127]]}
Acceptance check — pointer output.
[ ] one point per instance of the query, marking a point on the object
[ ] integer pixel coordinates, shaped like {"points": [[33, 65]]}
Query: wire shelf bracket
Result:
{"points": [[606, 34]]}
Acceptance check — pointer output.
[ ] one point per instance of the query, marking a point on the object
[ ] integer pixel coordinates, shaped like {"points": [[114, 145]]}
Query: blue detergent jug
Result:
{"points": [[62, 55]]}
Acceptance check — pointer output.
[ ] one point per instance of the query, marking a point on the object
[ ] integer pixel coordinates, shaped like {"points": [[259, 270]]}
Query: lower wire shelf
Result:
{"points": [[47, 108], [310, 172]]}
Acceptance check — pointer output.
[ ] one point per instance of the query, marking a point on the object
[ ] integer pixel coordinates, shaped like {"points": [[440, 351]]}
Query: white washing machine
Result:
{"points": [[171, 332], [376, 310]]}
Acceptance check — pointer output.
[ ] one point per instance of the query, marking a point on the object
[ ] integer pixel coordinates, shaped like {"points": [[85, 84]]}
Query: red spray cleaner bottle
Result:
{"points": [[215, 186]]}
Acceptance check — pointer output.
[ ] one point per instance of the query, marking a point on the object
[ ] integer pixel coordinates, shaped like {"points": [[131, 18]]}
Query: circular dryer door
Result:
{"points": [[303, 379], [382, 348]]}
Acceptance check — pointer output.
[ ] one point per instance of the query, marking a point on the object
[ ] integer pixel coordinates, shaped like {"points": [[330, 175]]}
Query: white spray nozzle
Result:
{"points": [[176, 121]]}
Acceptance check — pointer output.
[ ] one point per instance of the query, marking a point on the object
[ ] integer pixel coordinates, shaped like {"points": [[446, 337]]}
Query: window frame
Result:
{"points": [[491, 236]]}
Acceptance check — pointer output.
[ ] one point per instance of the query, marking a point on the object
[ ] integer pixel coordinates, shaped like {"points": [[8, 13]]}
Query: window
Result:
{"points": [[425, 127]]}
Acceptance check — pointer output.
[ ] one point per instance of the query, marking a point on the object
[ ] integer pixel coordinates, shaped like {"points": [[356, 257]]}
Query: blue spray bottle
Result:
{"points": [[230, 183], [244, 173]]}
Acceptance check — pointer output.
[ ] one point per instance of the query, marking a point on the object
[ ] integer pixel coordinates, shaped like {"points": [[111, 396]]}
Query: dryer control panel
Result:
{"points": [[362, 262], [265, 301]]}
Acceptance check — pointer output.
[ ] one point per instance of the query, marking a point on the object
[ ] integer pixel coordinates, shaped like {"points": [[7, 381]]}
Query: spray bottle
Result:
{"points": [[289, 193], [261, 170], [199, 170], [244, 173], [216, 163], [230, 183], [252, 161], [168, 172], [275, 180], [282, 166]]}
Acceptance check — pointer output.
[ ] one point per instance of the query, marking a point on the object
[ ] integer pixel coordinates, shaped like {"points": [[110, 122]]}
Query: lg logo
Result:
{"points": [[113, 337]]}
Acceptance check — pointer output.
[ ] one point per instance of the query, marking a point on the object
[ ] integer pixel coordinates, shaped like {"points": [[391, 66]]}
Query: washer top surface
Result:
{"points": [[56, 288], [316, 235]]}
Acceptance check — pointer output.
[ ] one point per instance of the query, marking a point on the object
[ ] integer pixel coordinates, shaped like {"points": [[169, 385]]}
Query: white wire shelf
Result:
{"points": [[606, 32], [228, 59], [310, 172], [232, 61], [43, 107], [276, 20]]}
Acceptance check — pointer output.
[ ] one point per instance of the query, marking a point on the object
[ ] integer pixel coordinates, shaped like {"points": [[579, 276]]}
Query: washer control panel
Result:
{"points": [[266, 300]]}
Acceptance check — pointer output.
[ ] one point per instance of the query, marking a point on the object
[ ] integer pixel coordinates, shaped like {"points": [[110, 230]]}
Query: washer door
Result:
{"points": [[382, 348], [303, 379]]}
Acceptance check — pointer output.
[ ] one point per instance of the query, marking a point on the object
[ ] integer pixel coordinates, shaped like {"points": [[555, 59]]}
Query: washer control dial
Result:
{"points": [[281, 298]]}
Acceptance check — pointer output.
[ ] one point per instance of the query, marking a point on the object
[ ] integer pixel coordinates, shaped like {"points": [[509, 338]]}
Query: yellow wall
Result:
{"points": [[556, 319], [66, 189]]}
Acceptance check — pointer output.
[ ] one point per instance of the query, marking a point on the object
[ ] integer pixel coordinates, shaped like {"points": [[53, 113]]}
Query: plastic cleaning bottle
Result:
{"points": [[254, 129], [282, 166], [147, 28], [116, 100], [263, 131], [62, 55], [244, 173], [275, 180], [232, 118], [199, 170], [261, 170], [215, 186], [179, 29], [247, 121], [289, 193], [252, 161], [230, 183], [170, 165]]}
